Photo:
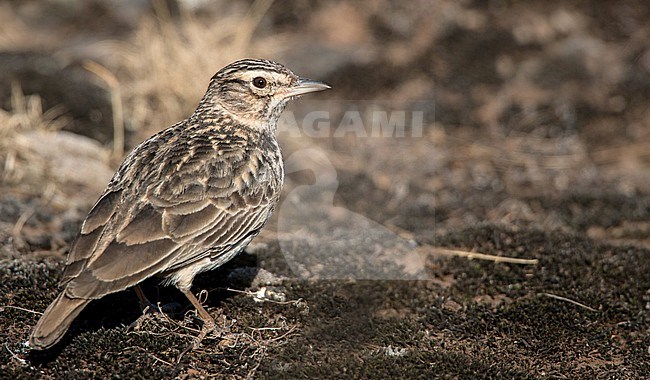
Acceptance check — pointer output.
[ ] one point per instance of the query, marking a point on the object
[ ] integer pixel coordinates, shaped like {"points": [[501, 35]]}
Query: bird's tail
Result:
{"points": [[55, 321]]}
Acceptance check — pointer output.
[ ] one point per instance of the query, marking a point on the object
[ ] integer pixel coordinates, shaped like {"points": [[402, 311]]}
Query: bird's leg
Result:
{"points": [[144, 301], [148, 307], [145, 305], [208, 322]]}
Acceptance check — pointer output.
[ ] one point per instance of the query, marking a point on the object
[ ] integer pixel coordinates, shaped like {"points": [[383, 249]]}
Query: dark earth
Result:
{"points": [[535, 145]]}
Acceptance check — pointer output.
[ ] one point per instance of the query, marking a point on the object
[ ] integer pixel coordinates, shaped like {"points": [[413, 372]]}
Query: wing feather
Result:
{"points": [[222, 237], [101, 212], [121, 266], [183, 225], [145, 227]]}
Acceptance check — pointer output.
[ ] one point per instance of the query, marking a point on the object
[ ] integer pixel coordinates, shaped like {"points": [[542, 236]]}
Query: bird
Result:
{"points": [[186, 200]]}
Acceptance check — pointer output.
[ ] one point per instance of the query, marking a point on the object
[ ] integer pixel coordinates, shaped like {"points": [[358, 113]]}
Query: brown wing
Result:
{"points": [[203, 207], [158, 240], [225, 233], [100, 262]]}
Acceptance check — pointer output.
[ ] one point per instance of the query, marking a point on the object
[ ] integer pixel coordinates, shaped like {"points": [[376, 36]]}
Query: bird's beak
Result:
{"points": [[305, 86]]}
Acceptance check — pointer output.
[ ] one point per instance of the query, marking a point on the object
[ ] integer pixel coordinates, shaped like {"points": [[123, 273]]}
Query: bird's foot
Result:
{"points": [[167, 310], [208, 327]]}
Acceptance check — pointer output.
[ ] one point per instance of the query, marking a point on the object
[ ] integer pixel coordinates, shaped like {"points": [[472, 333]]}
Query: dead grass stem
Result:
{"points": [[164, 68], [26, 114]]}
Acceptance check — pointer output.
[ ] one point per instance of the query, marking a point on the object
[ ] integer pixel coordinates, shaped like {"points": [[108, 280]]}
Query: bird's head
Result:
{"points": [[255, 91]]}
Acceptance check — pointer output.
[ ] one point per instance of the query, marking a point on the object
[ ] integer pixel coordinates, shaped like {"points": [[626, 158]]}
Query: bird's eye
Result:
{"points": [[259, 82]]}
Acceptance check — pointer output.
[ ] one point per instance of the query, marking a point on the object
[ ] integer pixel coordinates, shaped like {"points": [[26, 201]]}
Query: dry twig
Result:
{"points": [[2, 308], [568, 300], [482, 256]]}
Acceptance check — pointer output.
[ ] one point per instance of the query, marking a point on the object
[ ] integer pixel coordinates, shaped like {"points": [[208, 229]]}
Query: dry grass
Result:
{"points": [[39, 159], [251, 343], [164, 68], [26, 114]]}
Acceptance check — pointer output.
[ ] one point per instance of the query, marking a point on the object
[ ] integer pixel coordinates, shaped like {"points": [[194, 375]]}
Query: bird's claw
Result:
{"points": [[207, 328], [169, 309]]}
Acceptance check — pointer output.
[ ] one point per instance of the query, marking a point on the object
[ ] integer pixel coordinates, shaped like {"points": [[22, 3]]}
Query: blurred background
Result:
{"points": [[537, 113]]}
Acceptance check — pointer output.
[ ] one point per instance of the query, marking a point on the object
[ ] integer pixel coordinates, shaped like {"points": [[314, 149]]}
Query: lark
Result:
{"points": [[185, 201]]}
